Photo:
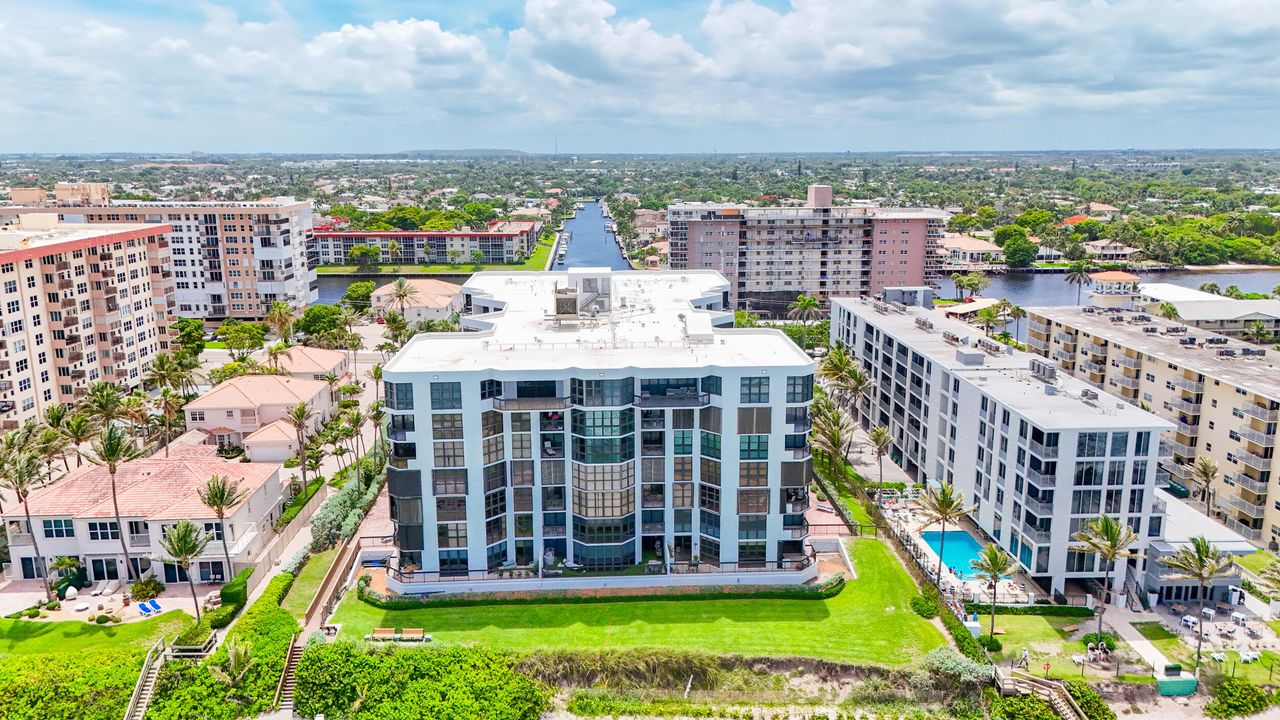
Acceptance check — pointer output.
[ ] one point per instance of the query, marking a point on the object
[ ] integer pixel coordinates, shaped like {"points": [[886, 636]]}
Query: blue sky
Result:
{"points": [[637, 75]]}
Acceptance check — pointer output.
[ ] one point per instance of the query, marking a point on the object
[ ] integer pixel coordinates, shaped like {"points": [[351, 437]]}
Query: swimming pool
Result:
{"points": [[959, 550]]}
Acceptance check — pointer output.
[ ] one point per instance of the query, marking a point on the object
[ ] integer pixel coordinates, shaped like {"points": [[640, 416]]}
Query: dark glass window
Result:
{"points": [[755, 390], [446, 396], [799, 388], [399, 395]]}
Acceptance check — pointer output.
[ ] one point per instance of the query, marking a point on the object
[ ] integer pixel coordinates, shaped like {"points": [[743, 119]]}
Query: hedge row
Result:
{"points": [[966, 643], [340, 516], [822, 591], [295, 504], [234, 596], [1094, 707], [1046, 610], [87, 685]]}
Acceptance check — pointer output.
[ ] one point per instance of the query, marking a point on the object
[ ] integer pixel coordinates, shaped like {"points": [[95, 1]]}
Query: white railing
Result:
{"points": [[155, 655]]}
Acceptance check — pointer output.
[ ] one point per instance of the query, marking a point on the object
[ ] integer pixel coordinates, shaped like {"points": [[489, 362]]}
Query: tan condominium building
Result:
{"points": [[1222, 394], [78, 304], [230, 259], [772, 254]]}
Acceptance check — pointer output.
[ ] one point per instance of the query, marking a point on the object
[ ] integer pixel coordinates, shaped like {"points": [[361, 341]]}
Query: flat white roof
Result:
{"points": [[647, 321], [18, 237], [1196, 305], [1006, 375], [1183, 522]]}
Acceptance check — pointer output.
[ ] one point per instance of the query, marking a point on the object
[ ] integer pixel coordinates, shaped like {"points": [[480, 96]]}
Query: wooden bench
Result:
{"points": [[383, 635], [414, 635]]}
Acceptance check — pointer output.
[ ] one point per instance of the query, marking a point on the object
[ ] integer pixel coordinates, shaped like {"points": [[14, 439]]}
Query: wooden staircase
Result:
{"points": [[1011, 682], [145, 687], [288, 678]]}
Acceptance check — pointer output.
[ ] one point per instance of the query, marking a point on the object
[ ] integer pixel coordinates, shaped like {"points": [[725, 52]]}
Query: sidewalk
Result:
{"points": [[1121, 620]]}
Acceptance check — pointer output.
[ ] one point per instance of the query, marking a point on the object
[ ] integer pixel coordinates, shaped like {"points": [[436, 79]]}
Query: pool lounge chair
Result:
{"points": [[1218, 657], [383, 634], [414, 635], [145, 609], [155, 606], [101, 586], [112, 587], [1077, 659]]}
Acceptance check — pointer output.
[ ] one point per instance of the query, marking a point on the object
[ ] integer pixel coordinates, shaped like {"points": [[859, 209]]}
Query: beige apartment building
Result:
{"points": [[229, 259], [1222, 394], [772, 254], [78, 304]]}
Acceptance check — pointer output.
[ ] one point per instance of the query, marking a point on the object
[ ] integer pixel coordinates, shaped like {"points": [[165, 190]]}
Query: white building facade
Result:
{"points": [[1038, 453], [595, 422]]}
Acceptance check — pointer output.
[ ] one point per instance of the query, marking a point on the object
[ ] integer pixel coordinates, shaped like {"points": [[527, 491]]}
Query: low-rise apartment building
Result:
{"points": [[241, 408], [599, 421], [772, 254], [78, 304], [74, 517], [435, 300], [1223, 315], [503, 241], [228, 259], [1039, 453], [1222, 396]]}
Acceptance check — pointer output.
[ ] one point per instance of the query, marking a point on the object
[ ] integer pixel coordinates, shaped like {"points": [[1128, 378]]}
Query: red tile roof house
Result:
{"points": [[312, 363], [248, 411], [74, 516]]}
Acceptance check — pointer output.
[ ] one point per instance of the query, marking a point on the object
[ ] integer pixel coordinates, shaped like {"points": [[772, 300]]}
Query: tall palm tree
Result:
{"points": [[1168, 311], [847, 378], [220, 493], [348, 318], [1014, 313], [943, 505], [393, 251], [172, 371], [280, 317], [993, 564], [1257, 332], [79, 429], [989, 317], [55, 415], [1204, 473], [103, 402], [402, 293], [1078, 275], [182, 543], [957, 278], [111, 449], [881, 442], [300, 418], [277, 352], [51, 445], [20, 474], [1109, 540], [135, 408], [1211, 288], [1204, 563], [169, 404], [375, 375], [805, 309]]}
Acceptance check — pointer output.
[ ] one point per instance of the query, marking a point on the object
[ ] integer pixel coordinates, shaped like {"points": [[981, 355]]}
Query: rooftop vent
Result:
{"points": [[950, 337], [1227, 352], [1151, 329], [924, 324], [1089, 395], [1043, 370], [1255, 352]]}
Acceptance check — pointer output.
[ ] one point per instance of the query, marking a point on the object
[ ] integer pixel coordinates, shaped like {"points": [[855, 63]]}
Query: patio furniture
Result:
{"points": [[112, 587], [1077, 659], [98, 590], [153, 604], [1190, 621], [383, 634], [1238, 618], [145, 609], [1248, 656], [1218, 657], [414, 635], [82, 607], [1208, 612]]}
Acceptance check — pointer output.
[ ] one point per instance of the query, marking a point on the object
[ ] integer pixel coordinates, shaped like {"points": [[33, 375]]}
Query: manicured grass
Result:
{"points": [[870, 622], [1256, 562], [308, 582], [215, 345], [536, 261], [1184, 651], [1045, 638], [24, 637]]}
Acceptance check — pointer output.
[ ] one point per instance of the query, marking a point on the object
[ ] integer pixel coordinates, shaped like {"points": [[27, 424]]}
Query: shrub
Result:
{"points": [[146, 588], [943, 663], [115, 618], [54, 605], [291, 463], [1089, 700], [236, 591], [924, 607], [1254, 590], [1106, 638], [1236, 697], [296, 503], [964, 641], [991, 643], [1022, 707], [33, 613], [1048, 610], [349, 680], [340, 515], [102, 619], [86, 685], [294, 565]]}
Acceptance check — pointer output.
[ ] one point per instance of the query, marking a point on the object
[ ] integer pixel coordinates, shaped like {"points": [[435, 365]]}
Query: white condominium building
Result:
{"points": [[229, 259], [78, 304], [1221, 394], [1037, 452], [599, 421]]}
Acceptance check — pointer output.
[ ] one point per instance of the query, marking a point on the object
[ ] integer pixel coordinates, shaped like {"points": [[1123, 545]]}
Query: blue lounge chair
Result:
{"points": [[155, 607], [145, 609]]}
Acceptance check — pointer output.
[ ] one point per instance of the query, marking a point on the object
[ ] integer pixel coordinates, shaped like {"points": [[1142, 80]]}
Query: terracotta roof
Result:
{"points": [[431, 293], [253, 391], [154, 488], [1074, 219], [1114, 276], [220, 431], [311, 360], [278, 431]]}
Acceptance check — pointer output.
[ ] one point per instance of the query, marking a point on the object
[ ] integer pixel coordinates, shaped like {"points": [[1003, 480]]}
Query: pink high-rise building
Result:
{"points": [[772, 254]]}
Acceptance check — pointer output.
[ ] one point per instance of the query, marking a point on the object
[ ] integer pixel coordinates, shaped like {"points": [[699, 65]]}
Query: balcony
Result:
{"points": [[67, 303], [1186, 406], [537, 403], [1037, 344], [1256, 487], [1256, 437], [1258, 411], [1096, 349], [1042, 451], [802, 426], [1189, 385], [1064, 356], [1180, 450], [1187, 429], [62, 265], [1126, 361], [1125, 381], [1043, 482], [1036, 535], [1037, 326], [1093, 367], [673, 399], [69, 321], [65, 284], [4, 364], [139, 540], [6, 385], [1178, 470], [1065, 338], [553, 531], [1250, 533], [1235, 502], [75, 356], [1037, 507], [1163, 450], [1254, 461], [652, 449]]}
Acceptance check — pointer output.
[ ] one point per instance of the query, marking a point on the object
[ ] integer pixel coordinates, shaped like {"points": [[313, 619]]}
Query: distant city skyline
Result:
{"points": [[637, 76]]}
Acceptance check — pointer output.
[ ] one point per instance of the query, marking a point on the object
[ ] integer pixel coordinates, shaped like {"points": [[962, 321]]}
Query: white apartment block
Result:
{"points": [[78, 304], [1221, 394], [1214, 313], [772, 254], [1037, 452], [599, 421], [229, 259]]}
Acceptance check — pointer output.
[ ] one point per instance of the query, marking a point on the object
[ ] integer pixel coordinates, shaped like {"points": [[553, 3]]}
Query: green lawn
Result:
{"points": [[215, 345], [23, 637], [1256, 562], [1045, 639], [308, 582], [870, 622], [536, 261], [1262, 672]]}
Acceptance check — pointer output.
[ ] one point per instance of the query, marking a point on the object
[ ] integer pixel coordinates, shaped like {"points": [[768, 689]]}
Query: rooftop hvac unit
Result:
{"points": [[924, 324], [1142, 318], [1090, 310], [951, 337], [1215, 341], [1187, 341], [1227, 352], [1117, 319], [1151, 329], [1043, 370], [1089, 395]]}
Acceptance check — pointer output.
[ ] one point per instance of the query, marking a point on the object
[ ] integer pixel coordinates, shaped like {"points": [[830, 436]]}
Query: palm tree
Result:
{"points": [[976, 282], [239, 660], [220, 493], [847, 378], [1012, 312], [135, 408], [402, 293], [393, 251], [51, 445], [1204, 472], [881, 442], [103, 402], [1109, 540], [944, 506], [1211, 288], [375, 375], [805, 309], [169, 403], [172, 371], [300, 418], [20, 474], [1168, 311], [989, 317], [1078, 275], [1202, 562], [276, 352], [993, 564], [280, 317], [55, 415], [79, 429], [112, 449], [957, 278], [182, 543], [1257, 332]]}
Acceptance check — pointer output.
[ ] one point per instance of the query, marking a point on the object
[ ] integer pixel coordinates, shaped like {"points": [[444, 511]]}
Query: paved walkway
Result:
{"points": [[1121, 620]]}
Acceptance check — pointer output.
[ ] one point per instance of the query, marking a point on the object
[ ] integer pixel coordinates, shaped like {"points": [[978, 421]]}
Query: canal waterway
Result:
{"points": [[590, 242]]}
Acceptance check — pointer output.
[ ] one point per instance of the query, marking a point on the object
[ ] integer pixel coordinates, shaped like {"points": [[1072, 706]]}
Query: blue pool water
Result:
{"points": [[960, 549]]}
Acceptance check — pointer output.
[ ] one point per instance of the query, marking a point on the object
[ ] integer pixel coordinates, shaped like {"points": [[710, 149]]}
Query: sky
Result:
{"points": [[637, 76]]}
